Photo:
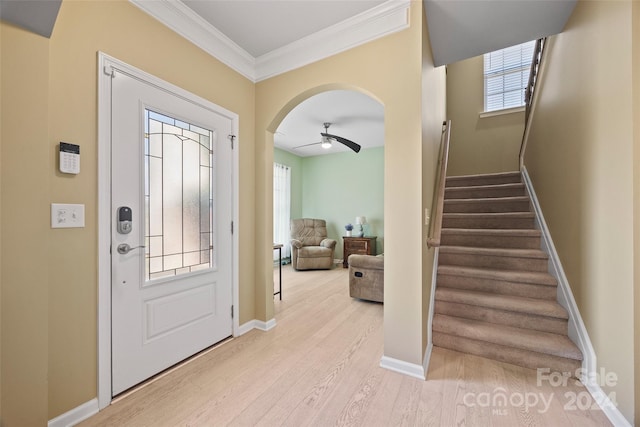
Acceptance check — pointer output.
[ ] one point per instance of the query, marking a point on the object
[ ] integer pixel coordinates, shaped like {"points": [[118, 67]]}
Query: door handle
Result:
{"points": [[124, 248]]}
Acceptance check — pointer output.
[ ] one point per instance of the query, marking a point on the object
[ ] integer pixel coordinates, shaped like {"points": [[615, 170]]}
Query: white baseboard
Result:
{"points": [[265, 326], [577, 329], [402, 367], [256, 324], [76, 415]]}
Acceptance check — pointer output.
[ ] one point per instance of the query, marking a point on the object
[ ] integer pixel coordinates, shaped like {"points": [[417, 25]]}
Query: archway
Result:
{"points": [[356, 180]]}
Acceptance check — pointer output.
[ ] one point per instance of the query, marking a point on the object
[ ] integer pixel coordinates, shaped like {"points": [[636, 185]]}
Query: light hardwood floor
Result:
{"points": [[320, 367]]}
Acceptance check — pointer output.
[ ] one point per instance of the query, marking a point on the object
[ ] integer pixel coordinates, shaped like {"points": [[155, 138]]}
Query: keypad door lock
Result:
{"points": [[125, 223]]}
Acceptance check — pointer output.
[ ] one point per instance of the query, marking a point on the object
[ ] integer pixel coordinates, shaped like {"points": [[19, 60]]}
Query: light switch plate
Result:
{"points": [[67, 215]]}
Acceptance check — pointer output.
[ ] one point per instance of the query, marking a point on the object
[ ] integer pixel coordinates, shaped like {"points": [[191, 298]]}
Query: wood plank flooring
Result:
{"points": [[320, 367]]}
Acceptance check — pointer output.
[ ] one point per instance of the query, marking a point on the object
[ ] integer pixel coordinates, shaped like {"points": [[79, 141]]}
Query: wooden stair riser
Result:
{"points": [[501, 317], [514, 356], [470, 221], [485, 192], [486, 205], [481, 284], [450, 238], [492, 179], [493, 262]]}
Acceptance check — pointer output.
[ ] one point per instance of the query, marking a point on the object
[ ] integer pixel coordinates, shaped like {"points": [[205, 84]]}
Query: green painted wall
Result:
{"points": [[295, 163], [338, 187]]}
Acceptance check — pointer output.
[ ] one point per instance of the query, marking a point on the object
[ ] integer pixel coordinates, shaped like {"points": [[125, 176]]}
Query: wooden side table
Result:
{"points": [[357, 245]]}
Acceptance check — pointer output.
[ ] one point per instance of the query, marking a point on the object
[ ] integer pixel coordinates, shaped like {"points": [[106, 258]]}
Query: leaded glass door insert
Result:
{"points": [[179, 179]]}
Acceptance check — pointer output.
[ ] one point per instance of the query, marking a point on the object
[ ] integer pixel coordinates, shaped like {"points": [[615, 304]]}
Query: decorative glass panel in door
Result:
{"points": [[179, 182]]}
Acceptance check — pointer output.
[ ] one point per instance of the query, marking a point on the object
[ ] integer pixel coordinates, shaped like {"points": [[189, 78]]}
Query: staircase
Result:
{"points": [[494, 296]]}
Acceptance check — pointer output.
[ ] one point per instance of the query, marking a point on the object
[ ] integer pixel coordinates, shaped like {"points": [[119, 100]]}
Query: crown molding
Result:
{"points": [[382, 20], [387, 18], [184, 21]]}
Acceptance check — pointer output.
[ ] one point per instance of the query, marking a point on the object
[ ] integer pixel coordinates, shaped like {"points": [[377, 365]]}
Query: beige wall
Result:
{"points": [[1, 98], [51, 87], [636, 197], [434, 106], [25, 219], [372, 68], [49, 277], [580, 158], [478, 145]]}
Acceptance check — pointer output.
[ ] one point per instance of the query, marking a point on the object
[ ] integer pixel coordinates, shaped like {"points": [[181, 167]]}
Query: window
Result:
{"points": [[281, 208], [506, 74]]}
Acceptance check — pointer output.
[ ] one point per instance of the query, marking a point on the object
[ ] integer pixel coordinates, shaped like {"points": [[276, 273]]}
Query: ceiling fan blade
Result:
{"points": [[307, 145], [355, 147]]}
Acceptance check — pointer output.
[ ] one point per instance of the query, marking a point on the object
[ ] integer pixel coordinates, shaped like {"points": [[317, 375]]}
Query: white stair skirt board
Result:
{"points": [[402, 367], [577, 329], [427, 356], [432, 302], [76, 415]]}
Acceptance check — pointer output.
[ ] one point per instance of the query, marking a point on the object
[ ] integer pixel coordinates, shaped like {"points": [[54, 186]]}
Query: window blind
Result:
{"points": [[506, 74]]}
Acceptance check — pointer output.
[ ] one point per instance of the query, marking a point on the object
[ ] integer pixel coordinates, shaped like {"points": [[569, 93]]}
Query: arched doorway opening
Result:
{"points": [[334, 183]]}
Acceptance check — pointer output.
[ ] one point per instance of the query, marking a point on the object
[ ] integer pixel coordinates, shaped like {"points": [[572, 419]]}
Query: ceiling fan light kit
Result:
{"points": [[327, 140]]}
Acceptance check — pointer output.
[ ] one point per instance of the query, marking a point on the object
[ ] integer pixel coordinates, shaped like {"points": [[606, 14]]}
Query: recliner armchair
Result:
{"points": [[310, 247]]}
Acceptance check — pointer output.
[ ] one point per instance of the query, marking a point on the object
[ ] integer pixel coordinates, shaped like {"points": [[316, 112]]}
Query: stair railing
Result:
{"points": [[531, 87], [437, 206]]}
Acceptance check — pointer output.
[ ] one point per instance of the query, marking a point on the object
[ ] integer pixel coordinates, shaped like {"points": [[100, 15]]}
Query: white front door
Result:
{"points": [[171, 176]]}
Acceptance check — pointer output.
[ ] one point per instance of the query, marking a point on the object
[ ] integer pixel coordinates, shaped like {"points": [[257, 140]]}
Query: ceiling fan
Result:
{"points": [[327, 140]]}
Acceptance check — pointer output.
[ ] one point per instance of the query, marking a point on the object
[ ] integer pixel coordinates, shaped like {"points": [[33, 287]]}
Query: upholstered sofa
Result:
{"points": [[366, 277], [310, 247]]}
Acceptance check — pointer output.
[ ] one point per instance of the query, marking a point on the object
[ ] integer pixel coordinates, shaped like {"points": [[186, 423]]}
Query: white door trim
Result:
{"points": [[105, 64]]}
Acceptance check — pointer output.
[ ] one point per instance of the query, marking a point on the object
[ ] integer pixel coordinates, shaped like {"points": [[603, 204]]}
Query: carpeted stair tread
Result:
{"points": [[499, 252], [494, 258], [497, 316], [483, 179], [524, 339], [529, 277], [509, 303], [506, 354], [488, 205], [489, 220], [492, 232], [485, 191], [492, 238], [490, 215]]}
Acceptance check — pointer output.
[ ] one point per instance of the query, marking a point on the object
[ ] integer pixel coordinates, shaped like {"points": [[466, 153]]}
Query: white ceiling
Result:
{"points": [[262, 26], [38, 16], [353, 115], [462, 29]]}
